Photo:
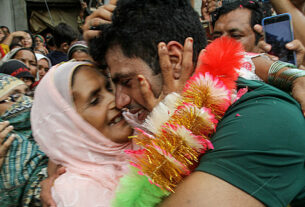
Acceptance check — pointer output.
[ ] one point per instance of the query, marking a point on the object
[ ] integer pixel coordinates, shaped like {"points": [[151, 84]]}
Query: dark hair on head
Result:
{"points": [[257, 12], [64, 33], [2, 27], [139, 25]]}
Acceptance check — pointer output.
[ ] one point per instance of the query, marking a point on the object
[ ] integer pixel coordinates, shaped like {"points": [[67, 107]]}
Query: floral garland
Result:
{"points": [[180, 127]]}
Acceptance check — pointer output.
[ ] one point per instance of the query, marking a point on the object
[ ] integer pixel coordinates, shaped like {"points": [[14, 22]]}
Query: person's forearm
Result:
{"points": [[52, 168], [262, 65], [298, 18]]}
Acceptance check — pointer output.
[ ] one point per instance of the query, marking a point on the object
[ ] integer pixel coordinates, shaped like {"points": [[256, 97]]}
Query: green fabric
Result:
{"points": [[260, 146], [25, 165], [143, 193]]}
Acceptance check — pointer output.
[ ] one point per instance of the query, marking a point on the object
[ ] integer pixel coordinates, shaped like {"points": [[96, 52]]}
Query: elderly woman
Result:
{"points": [[80, 128]]}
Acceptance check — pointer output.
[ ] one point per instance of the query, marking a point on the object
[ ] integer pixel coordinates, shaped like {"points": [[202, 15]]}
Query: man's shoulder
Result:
{"points": [[261, 92]]}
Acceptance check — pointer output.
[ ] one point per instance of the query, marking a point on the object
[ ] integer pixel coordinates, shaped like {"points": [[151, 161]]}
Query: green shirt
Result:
{"points": [[260, 146]]}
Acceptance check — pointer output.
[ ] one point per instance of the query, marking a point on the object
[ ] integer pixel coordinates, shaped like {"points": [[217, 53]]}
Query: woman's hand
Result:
{"points": [[46, 184], [170, 82], [5, 129]]}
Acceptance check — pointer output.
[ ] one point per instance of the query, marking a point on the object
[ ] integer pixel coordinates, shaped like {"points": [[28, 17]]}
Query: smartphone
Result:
{"points": [[278, 32]]}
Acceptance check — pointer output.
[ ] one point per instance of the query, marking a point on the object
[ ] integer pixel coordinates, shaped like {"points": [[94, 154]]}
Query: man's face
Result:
{"points": [[236, 24], [124, 73]]}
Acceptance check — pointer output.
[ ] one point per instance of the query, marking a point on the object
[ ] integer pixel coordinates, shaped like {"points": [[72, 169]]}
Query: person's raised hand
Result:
{"points": [[101, 16], [46, 185], [171, 83], [209, 6], [298, 47], [295, 45], [5, 129]]}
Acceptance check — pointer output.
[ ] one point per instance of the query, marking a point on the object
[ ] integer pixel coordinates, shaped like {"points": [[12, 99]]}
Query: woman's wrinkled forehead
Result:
{"points": [[63, 78]]}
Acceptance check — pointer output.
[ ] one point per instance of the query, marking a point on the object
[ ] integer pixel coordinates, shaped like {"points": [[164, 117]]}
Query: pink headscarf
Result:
{"points": [[93, 163]]}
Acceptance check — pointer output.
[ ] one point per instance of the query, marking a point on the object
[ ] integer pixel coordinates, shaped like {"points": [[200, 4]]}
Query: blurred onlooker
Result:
{"points": [[82, 16], [237, 19], [19, 70], [25, 55], [24, 165], [14, 37], [64, 35], [28, 41], [79, 51], [6, 30], [50, 45], [40, 44], [43, 65]]}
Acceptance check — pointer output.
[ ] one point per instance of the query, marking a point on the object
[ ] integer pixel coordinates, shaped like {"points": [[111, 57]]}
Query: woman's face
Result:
{"points": [[28, 58], [5, 105], [38, 42], [96, 104], [43, 67], [27, 41]]}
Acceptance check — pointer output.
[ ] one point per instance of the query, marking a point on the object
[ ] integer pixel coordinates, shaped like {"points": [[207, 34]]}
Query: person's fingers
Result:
{"points": [[187, 61], [298, 47], [165, 65], [5, 132], [265, 47], [102, 12], [90, 34], [259, 29], [101, 16], [60, 170], [147, 94], [5, 146], [3, 125], [45, 194], [295, 45]]}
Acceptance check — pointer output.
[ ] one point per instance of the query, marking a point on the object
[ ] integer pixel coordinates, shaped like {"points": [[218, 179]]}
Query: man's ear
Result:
{"points": [[65, 46], [175, 51]]}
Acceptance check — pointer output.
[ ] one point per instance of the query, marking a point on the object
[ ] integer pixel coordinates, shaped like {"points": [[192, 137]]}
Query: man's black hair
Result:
{"points": [[64, 33], [257, 12], [139, 25]]}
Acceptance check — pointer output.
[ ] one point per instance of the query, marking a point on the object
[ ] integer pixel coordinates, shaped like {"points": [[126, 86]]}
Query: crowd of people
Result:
{"points": [[71, 105]]}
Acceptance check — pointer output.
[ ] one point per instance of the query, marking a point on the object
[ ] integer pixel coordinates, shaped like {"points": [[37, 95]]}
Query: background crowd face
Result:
{"points": [[28, 58], [124, 72], [96, 104], [27, 41], [43, 67], [236, 24]]}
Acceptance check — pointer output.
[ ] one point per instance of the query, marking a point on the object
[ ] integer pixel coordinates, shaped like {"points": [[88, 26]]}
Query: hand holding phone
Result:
{"points": [[278, 32]]}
